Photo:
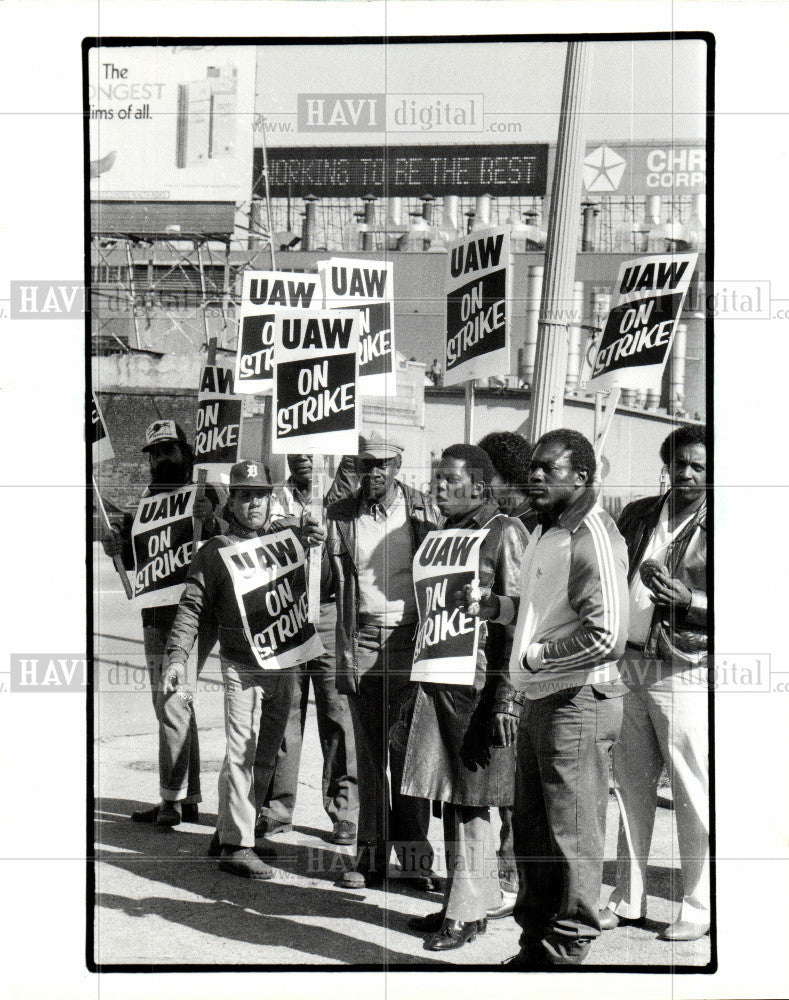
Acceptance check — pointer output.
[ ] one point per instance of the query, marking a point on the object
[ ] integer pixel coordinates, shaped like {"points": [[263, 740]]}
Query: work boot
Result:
{"points": [[169, 814], [243, 861]]}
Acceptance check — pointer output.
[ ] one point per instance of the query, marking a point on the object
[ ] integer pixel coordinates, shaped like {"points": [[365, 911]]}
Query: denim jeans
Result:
{"points": [[179, 748]]}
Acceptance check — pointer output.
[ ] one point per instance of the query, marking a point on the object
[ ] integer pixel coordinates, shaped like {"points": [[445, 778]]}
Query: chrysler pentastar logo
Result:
{"points": [[603, 169]]}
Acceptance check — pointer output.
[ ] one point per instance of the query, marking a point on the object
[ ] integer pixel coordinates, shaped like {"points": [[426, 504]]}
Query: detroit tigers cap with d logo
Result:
{"points": [[248, 474]]}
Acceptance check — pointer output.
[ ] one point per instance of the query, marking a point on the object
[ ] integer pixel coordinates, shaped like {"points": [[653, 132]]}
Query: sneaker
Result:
{"points": [[243, 861]]}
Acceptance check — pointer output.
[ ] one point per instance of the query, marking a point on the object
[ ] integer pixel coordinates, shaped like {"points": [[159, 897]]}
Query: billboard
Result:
{"points": [[170, 123]]}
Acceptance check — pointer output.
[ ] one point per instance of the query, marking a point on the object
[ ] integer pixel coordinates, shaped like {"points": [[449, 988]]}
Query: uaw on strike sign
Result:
{"points": [[448, 638], [271, 591], [316, 371], [366, 285], [263, 293], [639, 330], [477, 288], [218, 423], [162, 540]]}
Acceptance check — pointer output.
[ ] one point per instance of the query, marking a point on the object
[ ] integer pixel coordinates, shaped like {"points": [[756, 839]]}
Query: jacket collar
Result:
{"points": [[572, 518], [699, 518], [234, 528], [476, 518]]}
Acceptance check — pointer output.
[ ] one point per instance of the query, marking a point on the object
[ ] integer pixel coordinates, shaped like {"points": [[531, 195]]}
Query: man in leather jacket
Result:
{"points": [[372, 537], [666, 706]]}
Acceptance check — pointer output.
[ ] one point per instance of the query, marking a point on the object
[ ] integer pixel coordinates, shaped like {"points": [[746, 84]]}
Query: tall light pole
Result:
{"points": [[564, 227]]}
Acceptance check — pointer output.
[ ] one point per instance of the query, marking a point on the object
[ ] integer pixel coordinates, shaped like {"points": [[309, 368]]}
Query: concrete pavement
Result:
{"points": [[161, 901]]}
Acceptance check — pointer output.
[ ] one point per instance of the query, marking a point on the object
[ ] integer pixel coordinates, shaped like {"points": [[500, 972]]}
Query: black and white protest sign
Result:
{"points": [[448, 638], [366, 285], [640, 327], [162, 539], [264, 292], [478, 311], [316, 404], [218, 423], [271, 590], [102, 446]]}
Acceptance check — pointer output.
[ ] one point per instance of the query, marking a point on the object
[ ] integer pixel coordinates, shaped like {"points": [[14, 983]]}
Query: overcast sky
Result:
{"points": [[639, 90]]}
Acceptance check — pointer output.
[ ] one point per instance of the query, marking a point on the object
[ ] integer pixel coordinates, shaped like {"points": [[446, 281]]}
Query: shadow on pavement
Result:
{"points": [[259, 913]]}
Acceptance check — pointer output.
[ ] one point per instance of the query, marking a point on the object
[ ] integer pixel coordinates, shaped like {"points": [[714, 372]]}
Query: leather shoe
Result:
{"points": [[433, 923], [422, 883], [343, 833], [683, 930], [215, 849], [243, 861], [168, 814], [609, 920], [362, 880], [266, 827], [189, 814], [453, 934]]}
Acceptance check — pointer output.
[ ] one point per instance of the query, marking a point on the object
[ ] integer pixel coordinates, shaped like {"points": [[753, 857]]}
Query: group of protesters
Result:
{"points": [[592, 648]]}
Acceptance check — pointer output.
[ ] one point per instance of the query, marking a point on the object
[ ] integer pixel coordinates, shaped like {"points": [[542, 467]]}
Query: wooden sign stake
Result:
{"points": [[317, 513], [468, 433], [108, 530], [202, 474]]}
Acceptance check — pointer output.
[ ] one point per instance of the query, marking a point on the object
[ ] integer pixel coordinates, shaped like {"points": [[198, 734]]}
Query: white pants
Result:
{"points": [[665, 722]]}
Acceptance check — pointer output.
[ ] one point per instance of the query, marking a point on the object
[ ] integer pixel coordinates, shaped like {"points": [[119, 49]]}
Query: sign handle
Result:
{"points": [[202, 474], [468, 432], [317, 513], [108, 530], [603, 417]]}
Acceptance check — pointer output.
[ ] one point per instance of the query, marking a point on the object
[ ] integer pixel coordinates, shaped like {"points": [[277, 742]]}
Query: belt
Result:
{"points": [[632, 645]]}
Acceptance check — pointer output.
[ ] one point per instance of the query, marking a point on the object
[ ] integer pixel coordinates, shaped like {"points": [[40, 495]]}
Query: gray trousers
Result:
{"points": [[335, 732]]}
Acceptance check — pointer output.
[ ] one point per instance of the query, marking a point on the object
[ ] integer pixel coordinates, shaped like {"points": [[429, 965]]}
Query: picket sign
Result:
{"points": [[202, 474], [118, 562]]}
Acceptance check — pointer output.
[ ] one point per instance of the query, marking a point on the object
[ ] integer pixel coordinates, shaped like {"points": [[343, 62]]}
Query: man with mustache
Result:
{"points": [[665, 670], [251, 693], [170, 460], [373, 535]]}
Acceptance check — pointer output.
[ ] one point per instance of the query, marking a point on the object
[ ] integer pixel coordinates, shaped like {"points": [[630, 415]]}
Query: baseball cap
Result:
{"points": [[248, 474], [163, 430], [375, 445]]}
